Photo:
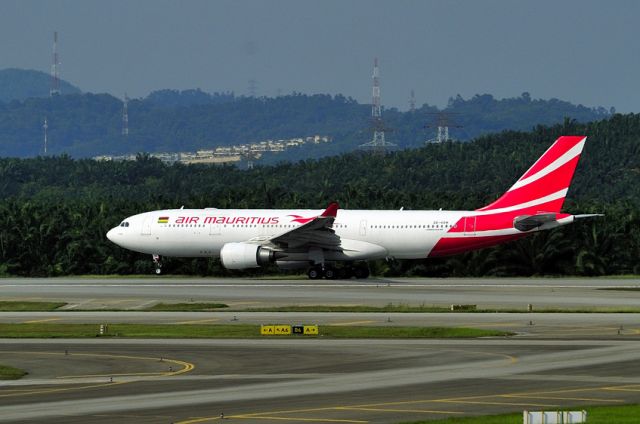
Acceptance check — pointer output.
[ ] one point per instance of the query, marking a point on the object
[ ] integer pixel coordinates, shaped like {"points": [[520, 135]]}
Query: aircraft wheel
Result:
{"points": [[345, 273], [330, 274], [158, 271], [361, 271], [314, 273]]}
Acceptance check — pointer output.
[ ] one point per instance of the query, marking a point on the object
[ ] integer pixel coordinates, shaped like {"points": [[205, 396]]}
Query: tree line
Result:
{"points": [[55, 211]]}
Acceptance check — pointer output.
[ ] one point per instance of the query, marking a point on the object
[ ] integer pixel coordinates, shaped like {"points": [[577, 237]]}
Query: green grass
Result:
{"points": [[621, 288], [625, 414], [19, 306], [408, 332], [11, 373], [404, 308], [51, 330], [350, 308], [186, 307], [6, 306]]}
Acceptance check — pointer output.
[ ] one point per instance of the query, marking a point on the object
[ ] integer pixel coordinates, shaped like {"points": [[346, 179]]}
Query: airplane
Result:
{"points": [[337, 243]]}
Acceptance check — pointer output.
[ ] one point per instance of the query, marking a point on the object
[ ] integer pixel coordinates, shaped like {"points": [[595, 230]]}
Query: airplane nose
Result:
{"points": [[111, 234]]}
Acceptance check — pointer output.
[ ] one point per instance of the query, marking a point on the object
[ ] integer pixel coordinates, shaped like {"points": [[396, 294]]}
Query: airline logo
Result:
{"points": [[299, 219], [163, 220]]}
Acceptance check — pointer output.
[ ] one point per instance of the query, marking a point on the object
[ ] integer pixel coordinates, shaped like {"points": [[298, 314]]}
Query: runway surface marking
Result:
{"points": [[511, 358], [301, 285], [396, 406], [338, 324], [77, 305], [424, 411], [35, 321], [145, 304], [186, 367], [624, 388], [297, 419], [199, 321], [243, 303], [564, 398]]}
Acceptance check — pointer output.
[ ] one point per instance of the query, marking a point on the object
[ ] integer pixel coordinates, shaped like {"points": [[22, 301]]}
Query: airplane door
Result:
{"points": [[363, 227], [214, 229], [146, 226], [469, 225]]}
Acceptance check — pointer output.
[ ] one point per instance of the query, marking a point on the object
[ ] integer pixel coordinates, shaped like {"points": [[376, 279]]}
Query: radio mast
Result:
{"points": [[378, 144], [125, 116], [45, 126], [412, 101], [55, 75]]}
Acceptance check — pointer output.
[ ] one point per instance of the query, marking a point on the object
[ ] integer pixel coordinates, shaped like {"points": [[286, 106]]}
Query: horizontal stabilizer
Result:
{"points": [[529, 222], [587, 215]]}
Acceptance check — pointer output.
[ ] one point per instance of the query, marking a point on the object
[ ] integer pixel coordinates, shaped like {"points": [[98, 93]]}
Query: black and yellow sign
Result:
{"points": [[311, 330], [286, 330], [275, 330]]}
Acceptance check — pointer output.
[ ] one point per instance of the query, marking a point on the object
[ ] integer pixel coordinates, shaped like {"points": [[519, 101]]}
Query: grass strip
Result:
{"points": [[11, 373], [350, 308], [624, 414], [621, 288], [403, 308], [186, 307], [53, 330], [19, 306]]}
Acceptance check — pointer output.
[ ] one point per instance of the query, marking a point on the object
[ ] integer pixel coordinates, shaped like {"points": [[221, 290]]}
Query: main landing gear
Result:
{"points": [[359, 270], [157, 261]]}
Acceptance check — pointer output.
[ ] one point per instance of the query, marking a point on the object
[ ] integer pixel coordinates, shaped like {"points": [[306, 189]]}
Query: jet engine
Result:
{"points": [[246, 255]]}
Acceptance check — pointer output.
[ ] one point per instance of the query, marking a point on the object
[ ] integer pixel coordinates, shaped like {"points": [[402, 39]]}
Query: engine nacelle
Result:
{"points": [[245, 255]]}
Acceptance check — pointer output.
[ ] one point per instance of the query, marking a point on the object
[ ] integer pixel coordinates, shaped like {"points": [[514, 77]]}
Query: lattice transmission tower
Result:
{"points": [[442, 121], [125, 115], [55, 72], [45, 126], [378, 144]]}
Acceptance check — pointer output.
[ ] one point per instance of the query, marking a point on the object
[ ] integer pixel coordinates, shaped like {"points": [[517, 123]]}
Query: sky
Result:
{"points": [[583, 51]]}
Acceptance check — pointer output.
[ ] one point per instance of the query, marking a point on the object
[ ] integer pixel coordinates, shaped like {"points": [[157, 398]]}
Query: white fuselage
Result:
{"points": [[202, 232]]}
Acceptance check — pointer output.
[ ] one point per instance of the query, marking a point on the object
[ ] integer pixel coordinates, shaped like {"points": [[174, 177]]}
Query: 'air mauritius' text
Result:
{"points": [[227, 220]]}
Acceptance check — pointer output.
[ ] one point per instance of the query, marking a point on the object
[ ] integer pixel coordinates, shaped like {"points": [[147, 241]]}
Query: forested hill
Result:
{"points": [[85, 125], [56, 210], [21, 84]]}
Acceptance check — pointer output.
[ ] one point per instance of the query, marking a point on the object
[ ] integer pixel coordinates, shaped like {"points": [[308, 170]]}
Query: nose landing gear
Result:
{"points": [[157, 261]]}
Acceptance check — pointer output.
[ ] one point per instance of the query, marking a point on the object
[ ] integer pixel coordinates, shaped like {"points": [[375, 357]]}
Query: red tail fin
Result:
{"points": [[546, 183]]}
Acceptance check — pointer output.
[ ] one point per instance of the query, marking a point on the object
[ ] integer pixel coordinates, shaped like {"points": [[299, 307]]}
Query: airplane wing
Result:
{"points": [[318, 232]]}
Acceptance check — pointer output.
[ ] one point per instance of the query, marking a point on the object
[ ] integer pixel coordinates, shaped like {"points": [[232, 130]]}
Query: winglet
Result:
{"points": [[331, 211]]}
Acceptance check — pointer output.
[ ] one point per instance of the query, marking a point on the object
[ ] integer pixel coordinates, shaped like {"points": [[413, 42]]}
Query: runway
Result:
{"points": [[554, 360], [131, 293], [270, 381]]}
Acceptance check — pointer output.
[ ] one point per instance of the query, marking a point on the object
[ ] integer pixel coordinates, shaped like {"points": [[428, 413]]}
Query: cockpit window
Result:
{"points": [[124, 224]]}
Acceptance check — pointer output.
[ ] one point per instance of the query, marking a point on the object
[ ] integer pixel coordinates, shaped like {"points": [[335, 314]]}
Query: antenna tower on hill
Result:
{"points": [[378, 144], [55, 74], [125, 116], [45, 126], [412, 101]]}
